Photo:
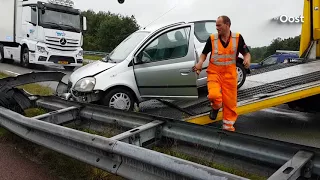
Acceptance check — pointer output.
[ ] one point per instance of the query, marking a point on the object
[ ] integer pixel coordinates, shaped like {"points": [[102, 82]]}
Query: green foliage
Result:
{"points": [[288, 44], [106, 30]]}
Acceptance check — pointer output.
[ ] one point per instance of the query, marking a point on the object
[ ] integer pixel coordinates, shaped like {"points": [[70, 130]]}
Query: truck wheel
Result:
{"points": [[242, 74], [1, 54], [8, 102], [119, 98], [25, 57]]}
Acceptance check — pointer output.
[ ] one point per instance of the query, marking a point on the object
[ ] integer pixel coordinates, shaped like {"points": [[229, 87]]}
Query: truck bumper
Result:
{"points": [[57, 57]]}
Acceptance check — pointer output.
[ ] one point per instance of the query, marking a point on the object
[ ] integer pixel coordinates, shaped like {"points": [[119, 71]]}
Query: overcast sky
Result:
{"points": [[252, 18]]}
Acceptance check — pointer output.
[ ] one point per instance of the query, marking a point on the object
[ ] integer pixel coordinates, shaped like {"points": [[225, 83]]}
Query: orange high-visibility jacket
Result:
{"points": [[223, 59]]}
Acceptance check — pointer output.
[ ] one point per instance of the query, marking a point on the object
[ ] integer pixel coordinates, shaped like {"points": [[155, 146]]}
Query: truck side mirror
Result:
{"points": [[84, 22]]}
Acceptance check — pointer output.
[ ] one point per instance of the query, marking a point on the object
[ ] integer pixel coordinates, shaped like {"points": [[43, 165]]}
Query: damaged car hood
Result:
{"points": [[91, 69]]}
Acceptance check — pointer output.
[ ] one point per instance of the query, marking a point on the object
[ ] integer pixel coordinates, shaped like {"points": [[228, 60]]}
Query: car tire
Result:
{"points": [[242, 74], [10, 103], [119, 98]]}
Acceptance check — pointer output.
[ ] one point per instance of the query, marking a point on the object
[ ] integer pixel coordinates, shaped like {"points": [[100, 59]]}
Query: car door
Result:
{"points": [[163, 65]]}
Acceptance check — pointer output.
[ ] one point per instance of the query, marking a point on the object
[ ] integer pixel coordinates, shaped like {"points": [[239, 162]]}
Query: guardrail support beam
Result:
{"points": [[60, 116], [139, 135], [294, 168]]}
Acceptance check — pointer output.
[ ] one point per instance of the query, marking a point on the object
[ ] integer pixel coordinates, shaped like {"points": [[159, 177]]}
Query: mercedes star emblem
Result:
{"points": [[63, 41]]}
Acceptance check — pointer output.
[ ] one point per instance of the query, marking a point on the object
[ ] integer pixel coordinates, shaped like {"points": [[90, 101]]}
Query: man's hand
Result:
{"points": [[246, 60], [197, 68]]}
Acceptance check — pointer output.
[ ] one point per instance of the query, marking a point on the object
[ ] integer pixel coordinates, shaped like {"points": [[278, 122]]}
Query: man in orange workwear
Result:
{"points": [[221, 72]]}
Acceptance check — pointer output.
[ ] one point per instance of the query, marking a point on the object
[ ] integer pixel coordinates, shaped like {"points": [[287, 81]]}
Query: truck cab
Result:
{"points": [[42, 32]]}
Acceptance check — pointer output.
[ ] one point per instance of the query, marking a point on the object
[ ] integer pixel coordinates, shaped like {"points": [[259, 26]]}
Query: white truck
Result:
{"points": [[41, 32]]}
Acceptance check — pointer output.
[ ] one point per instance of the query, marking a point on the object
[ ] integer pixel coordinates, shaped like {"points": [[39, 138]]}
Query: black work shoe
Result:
{"points": [[213, 114]]}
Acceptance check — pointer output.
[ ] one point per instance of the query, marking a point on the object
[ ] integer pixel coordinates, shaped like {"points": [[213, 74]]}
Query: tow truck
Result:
{"points": [[294, 84]]}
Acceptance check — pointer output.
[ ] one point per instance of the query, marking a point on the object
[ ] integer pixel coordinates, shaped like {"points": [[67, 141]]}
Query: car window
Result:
{"points": [[270, 60], [171, 45], [202, 30]]}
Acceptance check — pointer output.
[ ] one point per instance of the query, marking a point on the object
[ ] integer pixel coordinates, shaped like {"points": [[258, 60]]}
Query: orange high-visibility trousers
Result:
{"points": [[222, 92]]}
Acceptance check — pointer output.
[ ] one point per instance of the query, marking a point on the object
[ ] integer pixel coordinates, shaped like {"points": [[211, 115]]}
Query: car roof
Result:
{"points": [[155, 27]]}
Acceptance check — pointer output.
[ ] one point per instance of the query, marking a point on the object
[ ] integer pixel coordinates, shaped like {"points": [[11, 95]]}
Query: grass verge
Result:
{"points": [[208, 163], [92, 57]]}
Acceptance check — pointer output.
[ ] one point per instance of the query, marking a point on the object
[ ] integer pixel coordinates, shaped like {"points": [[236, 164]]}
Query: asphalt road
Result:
{"points": [[276, 123]]}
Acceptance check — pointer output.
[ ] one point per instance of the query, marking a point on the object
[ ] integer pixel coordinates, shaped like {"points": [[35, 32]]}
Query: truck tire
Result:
{"points": [[8, 102], [242, 74], [1, 54], [25, 58], [119, 98]]}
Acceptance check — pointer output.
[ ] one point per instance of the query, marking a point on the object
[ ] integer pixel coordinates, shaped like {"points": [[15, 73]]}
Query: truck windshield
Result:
{"points": [[60, 20], [122, 51]]}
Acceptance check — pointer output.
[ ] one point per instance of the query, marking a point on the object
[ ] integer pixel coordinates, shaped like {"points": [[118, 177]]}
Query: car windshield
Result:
{"points": [[122, 51]]}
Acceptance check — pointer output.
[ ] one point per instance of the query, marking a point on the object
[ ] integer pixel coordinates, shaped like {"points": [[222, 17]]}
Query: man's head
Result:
{"points": [[223, 25]]}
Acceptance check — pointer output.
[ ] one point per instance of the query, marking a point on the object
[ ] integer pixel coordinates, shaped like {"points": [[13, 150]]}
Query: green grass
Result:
{"points": [[209, 163], [92, 57]]}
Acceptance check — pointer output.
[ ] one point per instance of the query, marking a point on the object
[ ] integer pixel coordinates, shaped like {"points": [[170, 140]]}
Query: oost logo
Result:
{"points": [[289, 19]]}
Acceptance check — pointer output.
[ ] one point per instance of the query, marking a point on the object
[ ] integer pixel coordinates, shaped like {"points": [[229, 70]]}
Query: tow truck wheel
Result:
{"points": [[25, 57], [119, 98], [242, 74]]}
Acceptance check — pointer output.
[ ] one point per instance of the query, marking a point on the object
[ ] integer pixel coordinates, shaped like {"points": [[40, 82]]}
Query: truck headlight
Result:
{"points": [[42, 49], [80, 53], [85, 84]]}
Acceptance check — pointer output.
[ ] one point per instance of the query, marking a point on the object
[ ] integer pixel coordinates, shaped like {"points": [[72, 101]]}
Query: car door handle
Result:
{"points": [[185, 72]]}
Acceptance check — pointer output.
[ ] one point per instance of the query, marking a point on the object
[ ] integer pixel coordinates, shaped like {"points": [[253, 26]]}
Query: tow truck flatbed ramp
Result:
{"points": [[266, 90]]}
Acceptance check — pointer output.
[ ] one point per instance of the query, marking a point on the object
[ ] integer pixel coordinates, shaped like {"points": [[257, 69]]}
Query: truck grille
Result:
{"points": [[54, 44]]}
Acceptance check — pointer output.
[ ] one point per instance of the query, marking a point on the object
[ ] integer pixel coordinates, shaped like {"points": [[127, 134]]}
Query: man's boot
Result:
{"points": [[213, 114]]}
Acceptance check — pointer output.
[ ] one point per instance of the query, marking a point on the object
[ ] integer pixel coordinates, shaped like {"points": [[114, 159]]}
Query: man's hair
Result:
{"points": [[226, 20]]}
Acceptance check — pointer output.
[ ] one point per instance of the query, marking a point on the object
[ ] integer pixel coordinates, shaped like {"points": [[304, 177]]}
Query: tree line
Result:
{"points": [[106, 30], [289, 44]]}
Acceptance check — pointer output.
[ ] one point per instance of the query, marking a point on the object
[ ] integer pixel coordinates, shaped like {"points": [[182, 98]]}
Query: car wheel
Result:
{"points": [[242, 74], [119, 98]]}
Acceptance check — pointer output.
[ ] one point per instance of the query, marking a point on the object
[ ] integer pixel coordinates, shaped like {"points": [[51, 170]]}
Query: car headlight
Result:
{"points": [[85, 85], [80, 53], [42, 49]]}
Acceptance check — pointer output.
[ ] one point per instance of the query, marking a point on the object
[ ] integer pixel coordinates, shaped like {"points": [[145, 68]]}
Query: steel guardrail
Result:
{"points": [[95, 53], [268, 151], [126, 160]]}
